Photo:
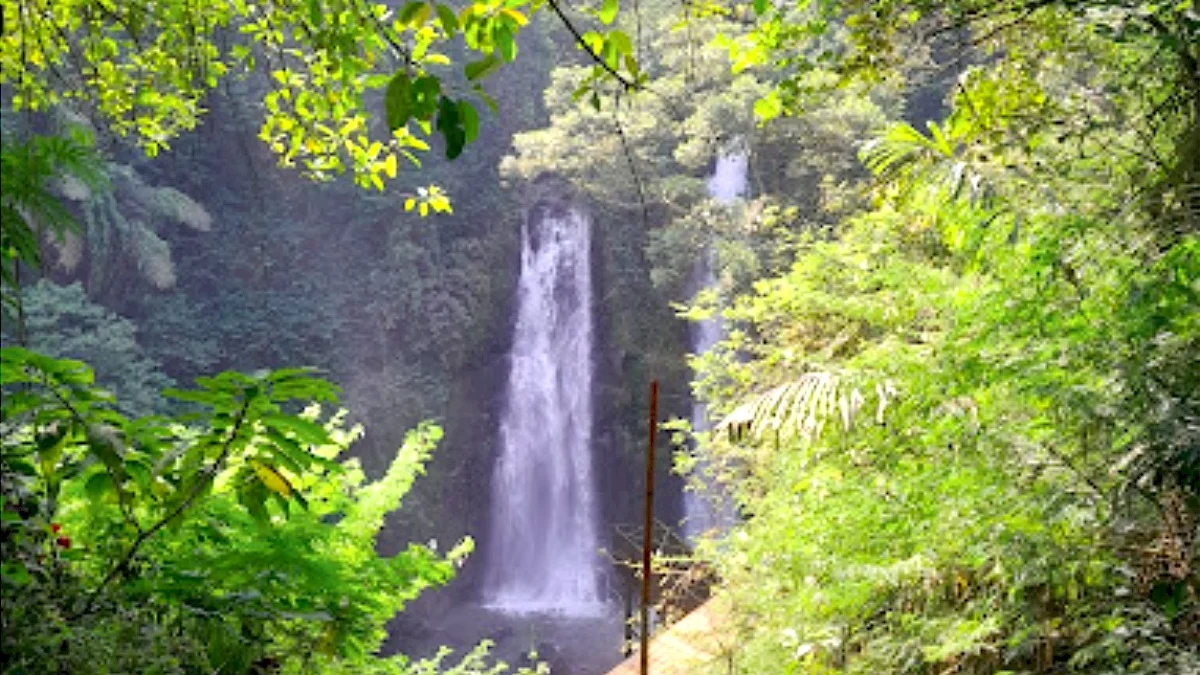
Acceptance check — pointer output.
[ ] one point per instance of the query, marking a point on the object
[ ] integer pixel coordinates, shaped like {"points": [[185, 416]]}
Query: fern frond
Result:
{"points": [[28, 202], [166, 202], [181, 208], [153, 257], [70, 251]]}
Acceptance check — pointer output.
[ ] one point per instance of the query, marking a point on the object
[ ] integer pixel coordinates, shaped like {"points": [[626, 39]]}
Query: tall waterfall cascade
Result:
{"points": [[543, 550], [706, 509]]}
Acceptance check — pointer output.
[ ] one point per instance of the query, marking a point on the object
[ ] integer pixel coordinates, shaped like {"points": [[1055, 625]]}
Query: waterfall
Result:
{"points": [[706, 509], [728, 182], [543, 544]]}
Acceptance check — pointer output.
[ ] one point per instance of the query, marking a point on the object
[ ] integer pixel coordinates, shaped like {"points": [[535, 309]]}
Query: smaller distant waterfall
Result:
{"points": [[707, 509], [544, 540], [728, 182]]}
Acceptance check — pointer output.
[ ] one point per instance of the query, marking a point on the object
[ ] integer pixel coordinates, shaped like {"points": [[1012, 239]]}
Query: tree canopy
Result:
{"points": [[353, 85]]}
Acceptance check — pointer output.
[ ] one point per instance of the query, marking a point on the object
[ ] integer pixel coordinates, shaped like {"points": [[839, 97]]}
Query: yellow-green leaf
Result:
{"points": [[273, 479], [608, 11]]}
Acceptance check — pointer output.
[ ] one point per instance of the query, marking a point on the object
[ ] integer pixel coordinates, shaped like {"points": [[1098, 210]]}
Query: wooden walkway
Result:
{"points": [[685, 647]]}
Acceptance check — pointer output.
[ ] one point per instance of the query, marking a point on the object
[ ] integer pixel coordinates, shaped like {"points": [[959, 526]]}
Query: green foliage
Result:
{"points": [[99, 214], [973, 520], [145, 71], [126, 222], [228, 538], [971, 409], [29, 206], [655, 147], [61, 322], [148, 79], [940, 533]]}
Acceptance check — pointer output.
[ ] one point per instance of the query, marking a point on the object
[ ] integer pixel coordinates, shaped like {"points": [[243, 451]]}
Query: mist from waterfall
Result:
{"points": [[543, 552], [704, 507]]}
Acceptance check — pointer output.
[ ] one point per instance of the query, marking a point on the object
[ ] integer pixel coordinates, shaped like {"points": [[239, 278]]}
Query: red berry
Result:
{"points": [[64, 542], [55, 527]]}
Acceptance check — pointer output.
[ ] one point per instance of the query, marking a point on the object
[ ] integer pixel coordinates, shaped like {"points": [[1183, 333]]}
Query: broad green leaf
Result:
{"points": [[253, 496], [414, 13], [470, 120], [422, 15], [304, 389], [450, 124], [192, 395], [303, 430], [289, 452], [768, 107], [620, 42], [398, 100], [98, 486], [631, 65], [447, 18], [506, 43], [593, 40], [140, 472], [609, 54], [608, 11], [477, 70], [15, 574], [487, 99], [21, 466], [425, 91], [513, 17], [105, 444]]}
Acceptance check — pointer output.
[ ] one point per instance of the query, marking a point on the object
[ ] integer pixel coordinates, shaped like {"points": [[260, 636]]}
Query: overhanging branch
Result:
{"points": [[629, 85]]}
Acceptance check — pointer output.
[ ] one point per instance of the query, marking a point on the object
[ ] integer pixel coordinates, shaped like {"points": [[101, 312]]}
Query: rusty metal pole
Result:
{"points": [[647, 533]]}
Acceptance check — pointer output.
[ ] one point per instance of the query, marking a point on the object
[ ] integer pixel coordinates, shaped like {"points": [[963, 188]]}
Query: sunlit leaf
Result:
{"points": [[273, 479], [608, 10]]}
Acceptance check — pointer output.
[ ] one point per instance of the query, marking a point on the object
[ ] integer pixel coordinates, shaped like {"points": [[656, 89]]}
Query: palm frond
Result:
{"points": [[903, 149], [908, 157], [801, 408]]}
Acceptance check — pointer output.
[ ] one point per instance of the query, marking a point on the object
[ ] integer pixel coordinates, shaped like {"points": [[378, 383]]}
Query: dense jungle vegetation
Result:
{"points": [[958, 402]]}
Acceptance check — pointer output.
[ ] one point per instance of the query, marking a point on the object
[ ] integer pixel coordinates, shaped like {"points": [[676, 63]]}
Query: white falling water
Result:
{"points": [[706, 509], [543, 545], [728, 182]]}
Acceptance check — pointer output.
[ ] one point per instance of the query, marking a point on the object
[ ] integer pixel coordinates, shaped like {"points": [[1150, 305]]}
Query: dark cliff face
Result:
{"points": [[638, 339]]}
